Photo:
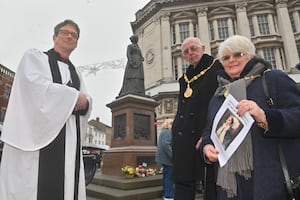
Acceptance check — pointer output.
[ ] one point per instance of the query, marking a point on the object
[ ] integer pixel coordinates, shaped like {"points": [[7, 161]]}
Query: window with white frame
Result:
{"points": [[275, 23], [195, 30], [251, 27], [282, 58], [185, 65], [234, 27], [184, 31], [293, 22], [223, 28], [269, 56], [211, 31], [173, 35], [263, 24]]}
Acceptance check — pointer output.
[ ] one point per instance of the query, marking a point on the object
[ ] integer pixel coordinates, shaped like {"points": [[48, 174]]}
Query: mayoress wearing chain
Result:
{"points": [[254, 170]]}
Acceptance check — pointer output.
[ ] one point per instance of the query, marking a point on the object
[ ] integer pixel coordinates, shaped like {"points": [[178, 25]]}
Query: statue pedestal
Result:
{"points": [[134, 137]]}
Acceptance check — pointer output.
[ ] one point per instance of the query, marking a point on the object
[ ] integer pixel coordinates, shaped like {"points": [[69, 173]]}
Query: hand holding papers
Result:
{"points": [[229, 129]]}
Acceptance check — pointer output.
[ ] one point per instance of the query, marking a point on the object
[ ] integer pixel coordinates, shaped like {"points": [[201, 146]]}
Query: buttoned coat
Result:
{"points": [[191, 119], [267, 182]]}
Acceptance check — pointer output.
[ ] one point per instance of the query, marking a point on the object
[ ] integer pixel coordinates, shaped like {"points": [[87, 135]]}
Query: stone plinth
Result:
{"points": [[134, 139], [117, 157]]}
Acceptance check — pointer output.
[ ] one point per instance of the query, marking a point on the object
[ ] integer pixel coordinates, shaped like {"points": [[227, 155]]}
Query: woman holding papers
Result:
{"points": [[254, 170]]}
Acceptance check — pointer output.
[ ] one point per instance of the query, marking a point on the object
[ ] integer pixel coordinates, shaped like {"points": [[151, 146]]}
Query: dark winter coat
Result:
{"points": [[191, 119], [267, 182]]}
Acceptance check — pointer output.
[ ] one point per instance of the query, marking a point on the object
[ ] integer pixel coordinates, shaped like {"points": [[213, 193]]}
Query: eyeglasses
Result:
{"points": [[67, 33], [191, 48], [234, 55]]}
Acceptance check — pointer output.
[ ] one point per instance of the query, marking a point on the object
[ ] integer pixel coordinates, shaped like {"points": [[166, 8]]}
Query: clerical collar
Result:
{"points": [[60, 58]]}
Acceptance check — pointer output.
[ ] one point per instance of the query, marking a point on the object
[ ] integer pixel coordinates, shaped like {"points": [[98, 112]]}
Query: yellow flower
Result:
{"points": [[130, 170], [127, 170]]}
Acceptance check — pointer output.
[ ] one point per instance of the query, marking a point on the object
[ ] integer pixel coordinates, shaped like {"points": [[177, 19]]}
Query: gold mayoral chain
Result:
{"points": [[189, 91]]}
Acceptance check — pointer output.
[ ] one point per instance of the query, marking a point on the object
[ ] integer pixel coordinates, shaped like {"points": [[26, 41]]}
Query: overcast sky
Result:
{"points": [[105, 31]]}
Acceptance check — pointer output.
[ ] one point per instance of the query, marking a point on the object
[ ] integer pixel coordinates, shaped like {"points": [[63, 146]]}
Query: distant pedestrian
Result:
{"points": [[164, 156]]}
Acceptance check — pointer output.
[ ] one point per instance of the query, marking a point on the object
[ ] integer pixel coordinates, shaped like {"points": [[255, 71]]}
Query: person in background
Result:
{"points": [[197, 86], [164, 157], [254, 170], [45, 121]]}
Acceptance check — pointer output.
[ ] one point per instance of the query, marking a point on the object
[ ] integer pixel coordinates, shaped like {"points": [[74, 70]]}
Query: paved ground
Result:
{"points": [[198, 196]]}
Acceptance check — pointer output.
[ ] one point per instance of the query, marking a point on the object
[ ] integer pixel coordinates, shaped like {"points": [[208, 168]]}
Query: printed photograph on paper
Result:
{"points": [[229, 130]]}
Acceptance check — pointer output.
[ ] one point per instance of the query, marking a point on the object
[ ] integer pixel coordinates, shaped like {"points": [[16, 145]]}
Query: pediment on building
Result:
{"points": [[183, 15], [293, 4], [221, 10], [260, 6]]}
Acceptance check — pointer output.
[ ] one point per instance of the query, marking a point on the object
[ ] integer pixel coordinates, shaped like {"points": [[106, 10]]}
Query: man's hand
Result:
{"points": [[81, 102], [210, 154]]}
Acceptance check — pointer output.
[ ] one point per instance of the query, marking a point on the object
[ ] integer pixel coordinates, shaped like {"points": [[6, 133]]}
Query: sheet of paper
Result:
{"points": [[229, 129]]}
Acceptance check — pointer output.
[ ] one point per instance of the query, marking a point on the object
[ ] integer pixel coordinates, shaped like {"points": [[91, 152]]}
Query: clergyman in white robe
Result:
{"points": [[37, 111]]}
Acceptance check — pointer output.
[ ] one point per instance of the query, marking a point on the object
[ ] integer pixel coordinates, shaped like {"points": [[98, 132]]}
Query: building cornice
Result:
{"points": [[154, 6], [150, 9]]}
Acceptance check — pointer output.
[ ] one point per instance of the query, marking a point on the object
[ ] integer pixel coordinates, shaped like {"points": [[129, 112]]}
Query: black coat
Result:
{"points": [[191, 119]]}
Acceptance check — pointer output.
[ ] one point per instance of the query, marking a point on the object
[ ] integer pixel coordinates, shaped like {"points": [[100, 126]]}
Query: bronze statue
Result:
{"points": [[133, 81]]}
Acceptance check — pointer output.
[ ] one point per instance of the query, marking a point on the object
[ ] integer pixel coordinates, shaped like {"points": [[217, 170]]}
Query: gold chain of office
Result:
{"points": [[189, 91]]}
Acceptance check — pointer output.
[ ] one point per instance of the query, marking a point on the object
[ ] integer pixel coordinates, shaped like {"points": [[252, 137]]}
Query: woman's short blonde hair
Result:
{"points": [[167, 123]]}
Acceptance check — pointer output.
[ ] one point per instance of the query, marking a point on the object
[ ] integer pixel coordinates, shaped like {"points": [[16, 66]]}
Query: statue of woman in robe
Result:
{"points": [[133, 82]]}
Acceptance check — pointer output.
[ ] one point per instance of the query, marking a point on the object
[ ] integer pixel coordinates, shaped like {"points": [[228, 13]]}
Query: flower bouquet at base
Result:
{"points": [[128, 171], [143, 171]]}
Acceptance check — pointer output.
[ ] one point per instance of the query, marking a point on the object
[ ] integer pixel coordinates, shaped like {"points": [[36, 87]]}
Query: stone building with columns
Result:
{"points": [[162, 25]]}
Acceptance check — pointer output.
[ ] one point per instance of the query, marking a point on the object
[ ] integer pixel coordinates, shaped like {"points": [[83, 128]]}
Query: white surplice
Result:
{"points": [[37, 111]]}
